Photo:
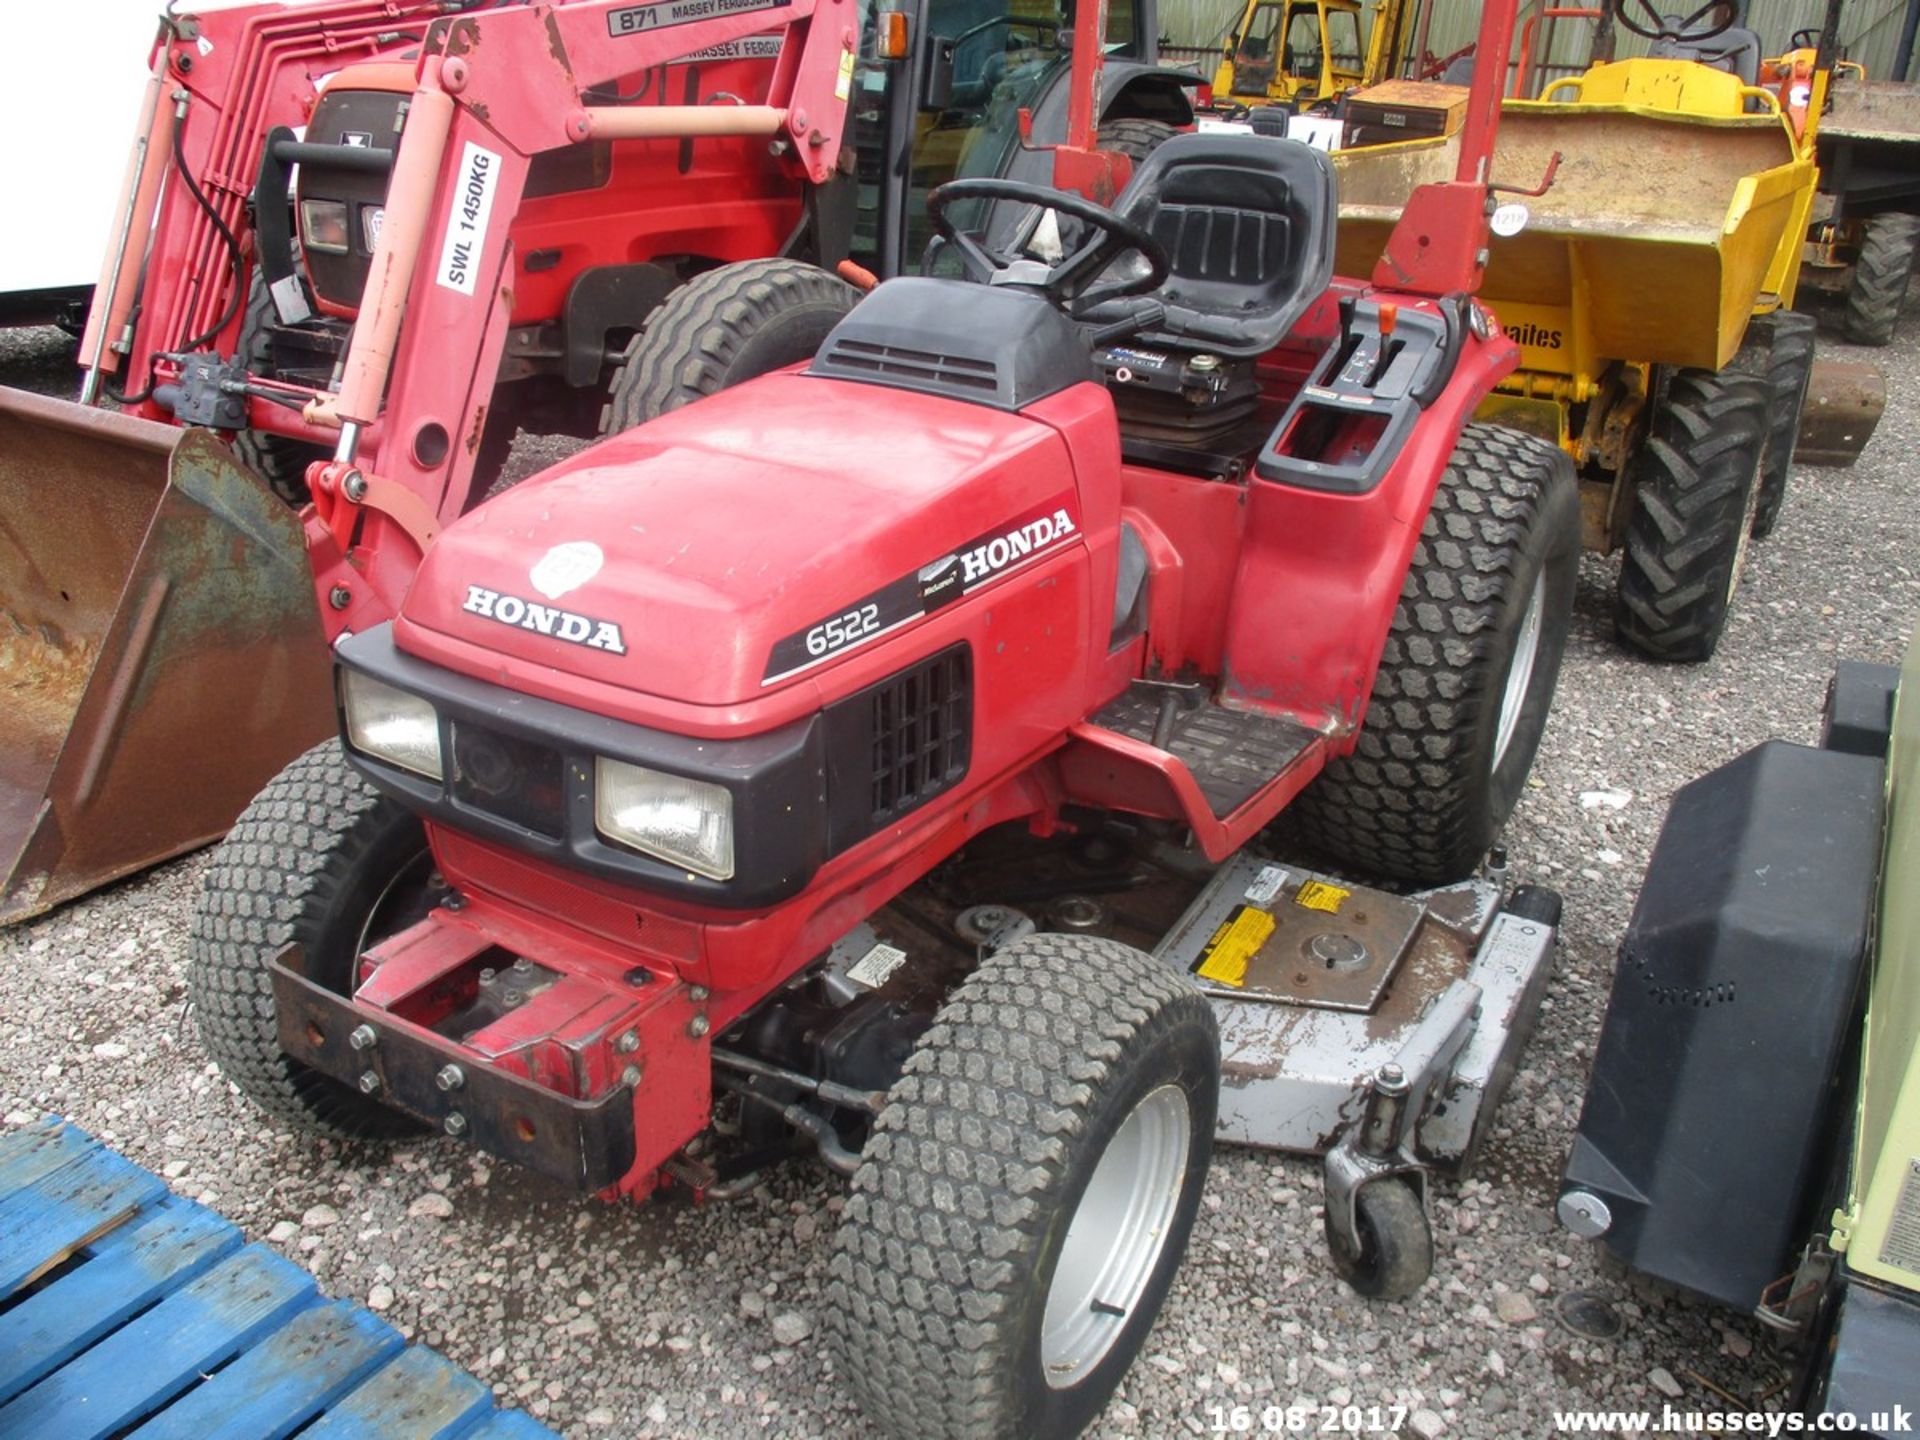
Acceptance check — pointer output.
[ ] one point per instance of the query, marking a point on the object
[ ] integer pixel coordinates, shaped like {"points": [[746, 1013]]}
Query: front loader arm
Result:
{"points": [[495, 89]]}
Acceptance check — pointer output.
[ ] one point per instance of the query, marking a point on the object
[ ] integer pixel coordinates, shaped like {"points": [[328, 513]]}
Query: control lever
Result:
{"points": [[1140, 318]]}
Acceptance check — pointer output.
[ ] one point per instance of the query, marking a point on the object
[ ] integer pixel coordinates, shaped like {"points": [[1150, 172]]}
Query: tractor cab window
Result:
{"points": [[1302, 56], [1007, 56], [1343, 42], [1253, 55]]}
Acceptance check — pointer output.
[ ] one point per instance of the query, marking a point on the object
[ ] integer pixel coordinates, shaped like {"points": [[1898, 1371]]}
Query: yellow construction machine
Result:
{"points": [[1645, 260], [1295, 52]]}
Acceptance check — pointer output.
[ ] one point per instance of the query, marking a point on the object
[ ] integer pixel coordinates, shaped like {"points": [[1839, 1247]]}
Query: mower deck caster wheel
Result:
{"points": [[1396, 1242]]}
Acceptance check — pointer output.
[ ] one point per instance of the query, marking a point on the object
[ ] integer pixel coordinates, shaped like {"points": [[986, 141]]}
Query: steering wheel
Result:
{"points": [[1011, 22], [1644, 19], [1808, 39], [1070, 284]]}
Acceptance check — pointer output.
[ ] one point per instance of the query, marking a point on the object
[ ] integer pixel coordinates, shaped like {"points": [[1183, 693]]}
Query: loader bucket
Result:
{"points": [[1845, 400], [1657, 239], [160, 653]]}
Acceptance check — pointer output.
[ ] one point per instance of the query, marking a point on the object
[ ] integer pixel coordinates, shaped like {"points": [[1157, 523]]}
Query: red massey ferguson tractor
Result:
{"points": [[871, 761]]}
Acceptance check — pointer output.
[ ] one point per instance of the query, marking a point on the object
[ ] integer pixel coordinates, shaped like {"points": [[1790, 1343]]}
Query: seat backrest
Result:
{"points": [[1248, 224]]}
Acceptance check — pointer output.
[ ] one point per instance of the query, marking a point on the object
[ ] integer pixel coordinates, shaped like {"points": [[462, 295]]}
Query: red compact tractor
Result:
{"points": [[622, 227], [872, 760]]}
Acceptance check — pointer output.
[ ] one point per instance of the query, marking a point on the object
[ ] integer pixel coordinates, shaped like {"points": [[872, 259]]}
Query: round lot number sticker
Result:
{"points": [[1510, 219]]}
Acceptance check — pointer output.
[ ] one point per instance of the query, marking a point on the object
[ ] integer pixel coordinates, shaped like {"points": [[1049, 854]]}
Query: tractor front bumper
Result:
{"points": [[593, 1074]]}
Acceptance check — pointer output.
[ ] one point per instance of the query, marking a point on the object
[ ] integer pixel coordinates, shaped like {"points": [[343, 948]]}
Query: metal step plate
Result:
{"points": [[1232, 753]]}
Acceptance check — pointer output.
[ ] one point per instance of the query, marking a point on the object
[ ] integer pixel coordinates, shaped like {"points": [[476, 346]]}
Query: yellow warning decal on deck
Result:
{"points": [[1318, 895], [1238, 940]]}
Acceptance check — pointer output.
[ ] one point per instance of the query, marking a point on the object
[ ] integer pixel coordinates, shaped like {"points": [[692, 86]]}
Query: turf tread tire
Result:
{"points": [[728, 325], [1789, 372], [289, 859], [1694, 480], [1417, 800], [935, 1262], [1881, 277]]}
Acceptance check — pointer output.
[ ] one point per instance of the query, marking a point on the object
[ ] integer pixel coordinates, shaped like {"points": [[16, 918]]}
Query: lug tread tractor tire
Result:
{"points": [[1135, 139], [974, 1169], [1880, 279], [728, 325], [279, 460], [1789, 371], [1694, 496], [1420, 798], [296, 866], [1396, 1242]]}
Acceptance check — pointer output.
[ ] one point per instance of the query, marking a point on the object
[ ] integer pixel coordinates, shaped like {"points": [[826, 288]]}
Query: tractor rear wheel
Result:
{"points": [[1696, 490], [1880, 279], [1461, 696], [1789, 372], [280, 460], [1027, 1193], [1135, 139], [322, 859], [723, 327]]}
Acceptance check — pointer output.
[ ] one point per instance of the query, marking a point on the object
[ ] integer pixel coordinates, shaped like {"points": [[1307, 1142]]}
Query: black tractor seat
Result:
{"points": [[1248, 222]]}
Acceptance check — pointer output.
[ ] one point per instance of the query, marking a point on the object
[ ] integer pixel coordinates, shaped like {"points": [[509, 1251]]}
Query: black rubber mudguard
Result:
{"points": [[1710, 1117]]}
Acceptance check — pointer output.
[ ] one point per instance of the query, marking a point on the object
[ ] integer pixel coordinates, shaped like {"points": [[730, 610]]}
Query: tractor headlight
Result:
{"points": [[684, 822], [372, 217], [323, 225], [391, 725]]}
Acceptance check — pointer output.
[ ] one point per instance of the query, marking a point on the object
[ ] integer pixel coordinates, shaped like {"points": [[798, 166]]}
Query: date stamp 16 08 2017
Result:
{"points": [[1305, 1419]]}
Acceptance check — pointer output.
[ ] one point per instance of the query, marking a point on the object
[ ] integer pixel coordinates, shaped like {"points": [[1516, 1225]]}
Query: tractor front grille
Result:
{"points": [[908, 738]]}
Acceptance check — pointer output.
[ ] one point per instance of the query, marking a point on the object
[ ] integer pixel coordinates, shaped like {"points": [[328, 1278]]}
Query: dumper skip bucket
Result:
{"points": [[160, 653]]}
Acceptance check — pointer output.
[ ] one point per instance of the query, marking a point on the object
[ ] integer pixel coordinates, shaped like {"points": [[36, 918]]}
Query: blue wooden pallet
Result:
{"points": [[125, 1309]]}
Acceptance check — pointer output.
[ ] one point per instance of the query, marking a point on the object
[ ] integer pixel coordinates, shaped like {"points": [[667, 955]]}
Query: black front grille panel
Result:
{"points": [[910, 735], [521, 781]]}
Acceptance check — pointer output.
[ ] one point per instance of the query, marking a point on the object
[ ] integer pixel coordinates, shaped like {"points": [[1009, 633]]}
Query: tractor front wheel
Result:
{"points": [[322, 859], [1696, 493], [1880, 279], [1461, 696], [1027, 1193], [728, 325]]}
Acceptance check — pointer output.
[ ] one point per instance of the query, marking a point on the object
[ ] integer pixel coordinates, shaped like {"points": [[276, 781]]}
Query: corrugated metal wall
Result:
{"points": [[1869, 29]]}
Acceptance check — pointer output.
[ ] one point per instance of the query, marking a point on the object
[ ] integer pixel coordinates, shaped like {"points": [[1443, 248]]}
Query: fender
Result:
{"points": [[1326, 561]]}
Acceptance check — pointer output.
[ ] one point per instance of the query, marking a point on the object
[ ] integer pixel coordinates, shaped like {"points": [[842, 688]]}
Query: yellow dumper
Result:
{"points": [[1648, 289]]}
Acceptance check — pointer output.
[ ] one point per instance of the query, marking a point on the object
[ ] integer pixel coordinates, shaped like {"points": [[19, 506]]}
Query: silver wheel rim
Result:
{"points": [[1526, 652], [1116, 1236]]}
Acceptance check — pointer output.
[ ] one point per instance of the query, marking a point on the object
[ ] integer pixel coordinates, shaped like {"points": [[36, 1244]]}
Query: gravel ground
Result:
{"points": [[676, 1320]]}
